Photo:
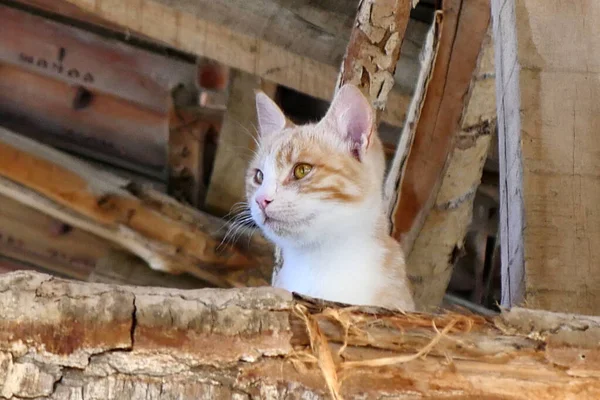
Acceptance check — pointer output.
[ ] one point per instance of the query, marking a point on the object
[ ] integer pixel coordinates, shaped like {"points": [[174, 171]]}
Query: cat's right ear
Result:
{"points": [[270, 117]]}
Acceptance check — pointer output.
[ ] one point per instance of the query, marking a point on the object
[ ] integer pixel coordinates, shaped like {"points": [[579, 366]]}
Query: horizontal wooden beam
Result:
{"points": [[296, 44], [168, 235], [64, 340]]}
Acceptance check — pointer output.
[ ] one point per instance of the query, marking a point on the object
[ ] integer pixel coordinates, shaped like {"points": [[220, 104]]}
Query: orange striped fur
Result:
{"points": [[330, 224]]}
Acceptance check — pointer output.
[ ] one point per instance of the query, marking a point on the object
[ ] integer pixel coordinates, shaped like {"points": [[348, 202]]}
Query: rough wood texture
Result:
{"points": [[441, 239], [548, 90], [297, 44], [45, 243], [122, 268], [69, 340], [237, 141], [107, 128], [462, 32], [79, 57], [169, 236], [374, 48]]}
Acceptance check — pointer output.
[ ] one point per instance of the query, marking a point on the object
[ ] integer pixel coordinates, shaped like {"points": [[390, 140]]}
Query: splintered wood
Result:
{"points": [[548, 118], [69, 340], [167, 235]]}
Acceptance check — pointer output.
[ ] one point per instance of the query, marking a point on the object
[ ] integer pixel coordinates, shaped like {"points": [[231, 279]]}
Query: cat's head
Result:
{"points": [[311, 181]]}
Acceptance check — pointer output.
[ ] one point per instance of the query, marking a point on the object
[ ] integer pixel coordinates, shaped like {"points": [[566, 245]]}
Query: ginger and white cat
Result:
{"points": [[315, 190]]}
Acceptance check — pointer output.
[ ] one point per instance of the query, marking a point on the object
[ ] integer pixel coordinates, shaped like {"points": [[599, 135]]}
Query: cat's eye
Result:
{"points": [[301, 170], [258, 177]]}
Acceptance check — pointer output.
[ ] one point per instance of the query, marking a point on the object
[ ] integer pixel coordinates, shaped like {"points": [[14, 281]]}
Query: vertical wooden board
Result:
{"points": [[463, 30], [236, 143], [549, 83], [187, 137]]}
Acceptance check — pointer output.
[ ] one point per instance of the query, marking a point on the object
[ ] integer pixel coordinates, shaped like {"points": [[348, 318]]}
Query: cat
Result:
{"points": [[315, 190]]}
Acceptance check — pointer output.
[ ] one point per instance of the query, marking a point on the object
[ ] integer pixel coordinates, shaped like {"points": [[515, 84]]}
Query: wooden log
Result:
{"points": [[107, 128], [79, 57], [297, 44], [168, 235], [547, 101], [97, 341], [237, 141], [440, 240], [122, 268], [187, 137], [462, 32], [374, 49]]}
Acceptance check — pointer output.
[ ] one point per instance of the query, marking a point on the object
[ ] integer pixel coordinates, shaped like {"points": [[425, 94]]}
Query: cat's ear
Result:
{"points": [[353, 116], [270, 117]]}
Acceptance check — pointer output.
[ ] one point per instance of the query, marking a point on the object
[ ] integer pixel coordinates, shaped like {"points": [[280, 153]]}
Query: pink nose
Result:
{"points": [[263, 201]]}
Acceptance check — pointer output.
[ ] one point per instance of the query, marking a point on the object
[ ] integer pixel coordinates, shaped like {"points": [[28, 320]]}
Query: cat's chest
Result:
{"points": [[352, 275]]}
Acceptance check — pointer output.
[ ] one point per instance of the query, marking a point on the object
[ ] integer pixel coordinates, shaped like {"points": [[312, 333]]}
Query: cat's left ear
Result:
{"points": [[270, 117], [353, 117]]}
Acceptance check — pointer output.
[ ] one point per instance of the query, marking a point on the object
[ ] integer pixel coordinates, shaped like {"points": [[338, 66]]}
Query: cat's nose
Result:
{"points": [[263, 201]]}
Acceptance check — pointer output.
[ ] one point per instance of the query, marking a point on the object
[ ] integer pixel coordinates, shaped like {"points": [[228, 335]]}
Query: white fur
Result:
{"points": [[332, 251]]}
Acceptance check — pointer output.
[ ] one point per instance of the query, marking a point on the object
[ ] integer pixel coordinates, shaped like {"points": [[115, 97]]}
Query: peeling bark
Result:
{"points": [[374, 48], [96, 341]]}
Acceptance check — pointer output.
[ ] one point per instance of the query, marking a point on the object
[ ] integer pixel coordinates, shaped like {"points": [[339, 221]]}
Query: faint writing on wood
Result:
{"points": [[57, 66]]}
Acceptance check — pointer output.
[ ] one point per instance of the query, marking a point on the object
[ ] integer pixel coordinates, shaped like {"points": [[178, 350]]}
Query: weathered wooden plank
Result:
{"points": [[237, 140], [462, 32], [187, 136], [147, 343], [441, 237], [102, 126], [548, 69], [79, 57], [296, 44], [120, 268], [32, 237], [169, 236]]}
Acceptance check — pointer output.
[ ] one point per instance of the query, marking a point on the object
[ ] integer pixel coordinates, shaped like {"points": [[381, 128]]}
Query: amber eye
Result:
{"points": [[258, 177], [301, 170]]}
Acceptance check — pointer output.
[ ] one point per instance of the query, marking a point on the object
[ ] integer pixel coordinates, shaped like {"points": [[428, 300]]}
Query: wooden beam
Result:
{"points": [[79, 57], [547, 101], [413, 193], [440, 240], [237, 140], [118, 267], [373, 50], [259, 343], [168, 235], [297, 44]]}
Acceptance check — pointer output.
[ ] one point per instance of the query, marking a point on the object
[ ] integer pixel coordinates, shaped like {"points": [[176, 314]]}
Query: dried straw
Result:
{"points": [[353, 323]]}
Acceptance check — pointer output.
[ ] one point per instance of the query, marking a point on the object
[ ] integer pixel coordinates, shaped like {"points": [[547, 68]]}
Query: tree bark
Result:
{"points": [[69, 340]]}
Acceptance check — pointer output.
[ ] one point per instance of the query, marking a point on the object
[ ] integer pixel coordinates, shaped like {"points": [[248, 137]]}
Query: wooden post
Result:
{"points": [[71, 340], [237, 140], [439, 160], [548, 69], [374, 49]]}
